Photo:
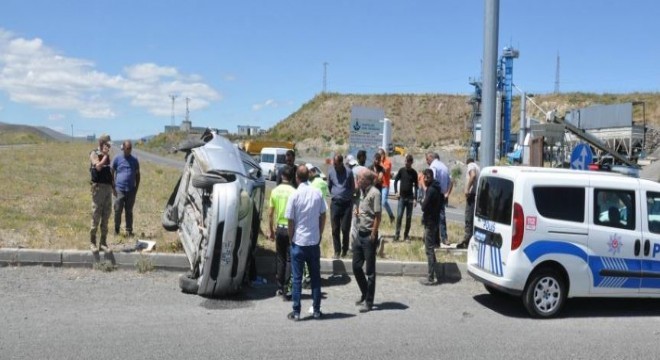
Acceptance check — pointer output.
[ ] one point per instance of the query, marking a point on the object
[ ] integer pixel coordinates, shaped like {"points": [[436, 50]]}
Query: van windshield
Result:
{"points": [[494, 199]]}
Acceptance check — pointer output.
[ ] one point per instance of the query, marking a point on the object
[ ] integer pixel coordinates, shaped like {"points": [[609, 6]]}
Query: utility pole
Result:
{"points": [[173, 97], [325, 76], [557, 76], [187, 110], [491, 29]]}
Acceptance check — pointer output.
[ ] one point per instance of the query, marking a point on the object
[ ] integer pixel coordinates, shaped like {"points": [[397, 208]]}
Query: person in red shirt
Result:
{"points": [[387, 175]]}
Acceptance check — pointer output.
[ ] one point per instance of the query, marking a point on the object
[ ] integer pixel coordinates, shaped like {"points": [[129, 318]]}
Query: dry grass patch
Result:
{"points": [[46, 202]]}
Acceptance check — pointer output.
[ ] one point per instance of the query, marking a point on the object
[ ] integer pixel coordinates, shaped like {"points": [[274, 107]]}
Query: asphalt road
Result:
{"points": [[64, 313], [453, 213]]}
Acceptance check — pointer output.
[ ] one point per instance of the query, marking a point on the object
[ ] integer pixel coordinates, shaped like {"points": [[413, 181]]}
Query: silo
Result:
{"points": [[387, 134]]}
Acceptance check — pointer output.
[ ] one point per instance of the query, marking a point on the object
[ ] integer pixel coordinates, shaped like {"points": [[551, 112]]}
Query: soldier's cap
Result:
{"points": [[105, 138]]}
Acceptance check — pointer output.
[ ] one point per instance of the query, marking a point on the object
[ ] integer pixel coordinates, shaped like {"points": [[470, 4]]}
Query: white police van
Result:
{"points": [[551, 234]]}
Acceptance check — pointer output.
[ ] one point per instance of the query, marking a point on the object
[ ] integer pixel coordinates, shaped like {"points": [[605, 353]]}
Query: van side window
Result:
{"points": [[494, 199], [281, 159], [614, 208], [267, 158], [561, 203], [653, 206]]}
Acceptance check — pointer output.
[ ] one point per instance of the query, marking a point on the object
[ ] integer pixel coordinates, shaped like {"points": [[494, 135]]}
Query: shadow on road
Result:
{"points": [[503, 304], [390, 305], [581, 308], [330, 316], [335, 280]]}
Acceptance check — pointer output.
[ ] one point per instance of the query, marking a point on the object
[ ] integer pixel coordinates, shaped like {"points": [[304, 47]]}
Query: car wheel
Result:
{"points": [[168, 219], [187, 284], [545, 293], [205, 181]]}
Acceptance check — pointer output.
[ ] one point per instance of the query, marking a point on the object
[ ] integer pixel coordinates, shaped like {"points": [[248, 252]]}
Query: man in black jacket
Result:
{"points": [[433, 201]]}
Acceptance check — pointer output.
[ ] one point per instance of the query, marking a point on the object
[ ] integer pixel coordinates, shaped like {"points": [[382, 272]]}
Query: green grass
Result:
{"points": [[45, 203], [401, 251]]}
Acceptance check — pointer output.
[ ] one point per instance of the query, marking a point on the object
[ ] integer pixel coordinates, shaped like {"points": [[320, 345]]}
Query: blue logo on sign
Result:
{"points": [[581, 157]]}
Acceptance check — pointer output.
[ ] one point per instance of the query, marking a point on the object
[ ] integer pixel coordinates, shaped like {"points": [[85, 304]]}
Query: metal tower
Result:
{"points": [[173, 97], [505, 84]]}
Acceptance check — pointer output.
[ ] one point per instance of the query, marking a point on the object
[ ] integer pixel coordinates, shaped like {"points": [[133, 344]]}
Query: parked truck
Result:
{"points": [[254, 147]]}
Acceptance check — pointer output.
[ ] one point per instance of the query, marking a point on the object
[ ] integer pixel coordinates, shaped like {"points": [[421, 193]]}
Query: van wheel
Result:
{"points": [[187, 284], [545, 293], [205, 181]]}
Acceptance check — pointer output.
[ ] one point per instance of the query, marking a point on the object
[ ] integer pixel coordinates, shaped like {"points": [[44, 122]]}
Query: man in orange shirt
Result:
{"points": [[385, 192]]}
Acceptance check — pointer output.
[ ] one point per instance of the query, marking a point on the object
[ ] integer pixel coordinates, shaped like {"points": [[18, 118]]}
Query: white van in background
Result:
{"points": [[271, 160]]}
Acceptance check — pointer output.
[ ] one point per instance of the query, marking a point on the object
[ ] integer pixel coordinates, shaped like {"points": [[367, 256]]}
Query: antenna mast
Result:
{"points": [[173, 97], [325, 76]]}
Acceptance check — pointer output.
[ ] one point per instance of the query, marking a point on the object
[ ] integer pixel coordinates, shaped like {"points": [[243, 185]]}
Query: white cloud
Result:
{"points": [[56, 117], [35, 74], [268, 103], [230, 77]]}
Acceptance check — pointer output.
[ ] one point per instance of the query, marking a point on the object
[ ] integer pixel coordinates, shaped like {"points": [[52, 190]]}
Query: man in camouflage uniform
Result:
{"points": [[102, 188]]}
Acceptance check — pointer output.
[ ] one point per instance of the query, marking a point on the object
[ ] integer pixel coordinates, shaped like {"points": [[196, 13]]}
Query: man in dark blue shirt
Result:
{"points": [[341, 186], [126, 170]]}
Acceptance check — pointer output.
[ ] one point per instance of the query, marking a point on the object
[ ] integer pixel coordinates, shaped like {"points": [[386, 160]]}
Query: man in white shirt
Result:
{"points": [[305, 211]]}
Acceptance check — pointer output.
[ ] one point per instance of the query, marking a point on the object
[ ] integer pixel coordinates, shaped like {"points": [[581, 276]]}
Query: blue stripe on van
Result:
{"points": [[540, 248]]}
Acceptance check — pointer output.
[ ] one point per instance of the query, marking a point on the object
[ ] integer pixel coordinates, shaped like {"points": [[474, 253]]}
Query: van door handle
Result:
{"points": [[647, 247], [637, 247]]}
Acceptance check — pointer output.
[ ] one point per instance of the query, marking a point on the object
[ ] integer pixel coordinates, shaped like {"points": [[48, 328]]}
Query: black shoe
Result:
{"points": [[445, 242], [427, 282], [392, 219], [343, 254], [318, 315], [293, 316], [366, 308], [116, 232], [407, 239], [336, 256], [360, 301], [396, 238], [462, 245]]}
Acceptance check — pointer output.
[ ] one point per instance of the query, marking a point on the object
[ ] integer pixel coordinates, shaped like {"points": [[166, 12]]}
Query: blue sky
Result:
{"points": [[99, 66]]}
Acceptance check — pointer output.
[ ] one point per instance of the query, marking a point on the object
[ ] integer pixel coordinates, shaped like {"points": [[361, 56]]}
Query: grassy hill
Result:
{"points": [[425, 120]]}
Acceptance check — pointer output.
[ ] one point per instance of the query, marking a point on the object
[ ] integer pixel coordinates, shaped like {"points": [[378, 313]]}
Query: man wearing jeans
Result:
{"points": [[387, 174], [305, 211], [341, 186], [365, 241], [126, 169]]}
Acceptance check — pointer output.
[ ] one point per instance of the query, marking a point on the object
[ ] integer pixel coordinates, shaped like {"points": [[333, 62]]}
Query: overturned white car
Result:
{"points": [[216, 210]]}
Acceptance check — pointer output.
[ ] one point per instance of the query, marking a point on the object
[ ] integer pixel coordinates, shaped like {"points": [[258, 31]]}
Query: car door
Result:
{"points": [[650, 244], [614, 236]]}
